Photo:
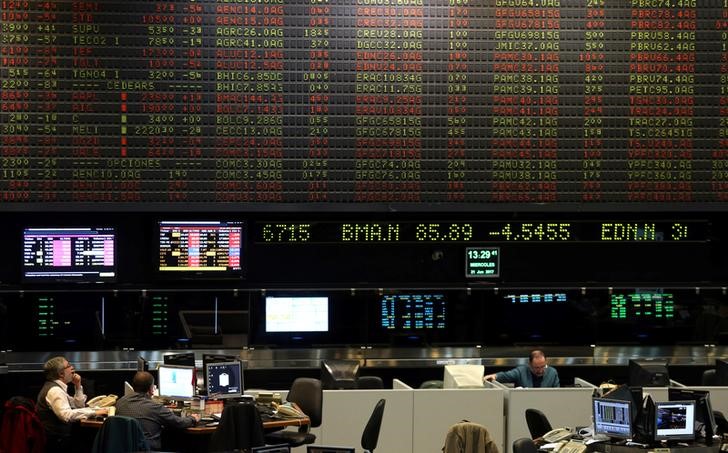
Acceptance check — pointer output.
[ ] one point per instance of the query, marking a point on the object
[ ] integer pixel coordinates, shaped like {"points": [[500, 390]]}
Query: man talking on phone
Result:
{"points": [[57, 409]]}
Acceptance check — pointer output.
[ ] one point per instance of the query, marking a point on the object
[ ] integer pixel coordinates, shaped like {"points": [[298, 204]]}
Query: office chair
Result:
{"points": [[21, 430], [369, 382], [120, 434], [524, 445], [538, 424], [708, 378], [308, 395], [432, 384], [469, 437], [370, 436], [240, 428]]}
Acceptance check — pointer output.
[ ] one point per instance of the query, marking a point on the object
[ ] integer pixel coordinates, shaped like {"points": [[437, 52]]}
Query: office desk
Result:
{"points": [[605, 447], [270, 424]]}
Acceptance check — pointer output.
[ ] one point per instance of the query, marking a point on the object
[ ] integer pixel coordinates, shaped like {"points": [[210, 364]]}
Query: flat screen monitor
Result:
{"points": [[648, 373], [325, 449], [142, 364], [224, 379], [184, 358], [413, 312], [721, 372], [463, 376], [296, 314], [632, 395], [215, 358], [201, 249], [271, 449], [705, 425], [612, 417], [176, 382], [83, 254], [339, 374], [675, 420]]}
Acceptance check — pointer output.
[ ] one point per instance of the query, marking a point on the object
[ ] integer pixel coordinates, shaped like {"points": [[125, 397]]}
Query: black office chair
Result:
{"points": [[369, 382], [538, 424], [524, 445], [370, 436], [708, 378], [308, 395], [432, 384], [240, 428], [120, 434]]}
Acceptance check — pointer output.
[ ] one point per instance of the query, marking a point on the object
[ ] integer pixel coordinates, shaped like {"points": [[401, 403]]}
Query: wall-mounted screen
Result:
{"points": [[421, 311], [207, 249], [296, 314], [83, 254]]}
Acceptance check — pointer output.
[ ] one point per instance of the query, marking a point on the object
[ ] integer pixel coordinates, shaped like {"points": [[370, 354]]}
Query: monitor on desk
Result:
{"points": [[648, 373], [176, 382], [705, 425], [224, 379], [142, 364], [339, 374], [463, 376], [721, 372], [675, 420], [214, 358], [184, 359], [612, 418]]}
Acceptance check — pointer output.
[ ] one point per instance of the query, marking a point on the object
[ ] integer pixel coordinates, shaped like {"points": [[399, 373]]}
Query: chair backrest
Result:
{"points": [[370, 436], [538, 424], [709, 378], [432, 384], [308, 394], [240, 428], [369, 382], [21, 430], [120, 434], [524, 445]]}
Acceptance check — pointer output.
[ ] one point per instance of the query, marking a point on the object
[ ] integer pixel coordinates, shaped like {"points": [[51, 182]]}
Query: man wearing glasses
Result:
{"points": [[56, 408], [536, 374]]}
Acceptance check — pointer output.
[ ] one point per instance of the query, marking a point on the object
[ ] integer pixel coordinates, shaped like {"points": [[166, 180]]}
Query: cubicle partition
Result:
{"points": [[563, 407]]}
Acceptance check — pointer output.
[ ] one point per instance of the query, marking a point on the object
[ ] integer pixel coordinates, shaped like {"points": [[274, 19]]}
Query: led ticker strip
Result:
{"points": [[532, 103], [479, 232]]}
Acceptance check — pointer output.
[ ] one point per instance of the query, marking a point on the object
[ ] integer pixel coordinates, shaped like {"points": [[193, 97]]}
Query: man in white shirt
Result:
{"points": [[56, 408]]}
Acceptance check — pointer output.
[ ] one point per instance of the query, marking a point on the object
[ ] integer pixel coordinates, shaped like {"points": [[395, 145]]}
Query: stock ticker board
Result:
{"points": [[359, 102]]}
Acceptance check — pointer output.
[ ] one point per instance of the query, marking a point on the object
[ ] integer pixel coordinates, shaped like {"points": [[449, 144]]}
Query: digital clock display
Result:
{"points": [[482, 262]]}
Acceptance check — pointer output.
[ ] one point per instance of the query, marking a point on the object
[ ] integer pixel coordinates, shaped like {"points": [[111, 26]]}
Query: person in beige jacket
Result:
{"points": [[467, 437]]}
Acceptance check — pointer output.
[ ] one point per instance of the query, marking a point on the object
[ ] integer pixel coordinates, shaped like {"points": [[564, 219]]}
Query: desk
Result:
{"points": [[605, 447], [270, 424]]}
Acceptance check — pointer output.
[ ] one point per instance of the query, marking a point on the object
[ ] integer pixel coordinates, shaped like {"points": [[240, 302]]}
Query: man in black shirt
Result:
{"points": [[152, 415]]}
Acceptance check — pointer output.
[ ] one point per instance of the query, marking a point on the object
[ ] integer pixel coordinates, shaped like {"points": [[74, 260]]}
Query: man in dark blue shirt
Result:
{"points": [[536, 374], [151, 414]]}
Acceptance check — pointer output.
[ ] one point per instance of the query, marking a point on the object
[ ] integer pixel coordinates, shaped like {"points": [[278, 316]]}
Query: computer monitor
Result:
{"points": [[721, 372], [271, 449], [324, 449], [339, 374], [184, 358], [463, 376], [201, 249], [648, 373], [214, 358], [632, 395], [675, 420], [176, 382], [612, 417], [296, 314], [79, 254], [142, 364], [224, 379], [705, 425]]}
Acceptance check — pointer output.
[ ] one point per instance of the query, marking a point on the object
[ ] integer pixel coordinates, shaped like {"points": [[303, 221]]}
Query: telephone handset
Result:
{"points": [[288, 410], [557, 435], [103, 401]]}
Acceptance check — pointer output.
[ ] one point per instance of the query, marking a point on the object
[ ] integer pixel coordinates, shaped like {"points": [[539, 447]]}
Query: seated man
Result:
{"points": [[56, 408], [536, 374], [151, 414]]}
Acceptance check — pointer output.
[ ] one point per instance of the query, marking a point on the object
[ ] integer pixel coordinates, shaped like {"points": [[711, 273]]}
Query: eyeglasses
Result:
{"points": [[68, 366]]}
